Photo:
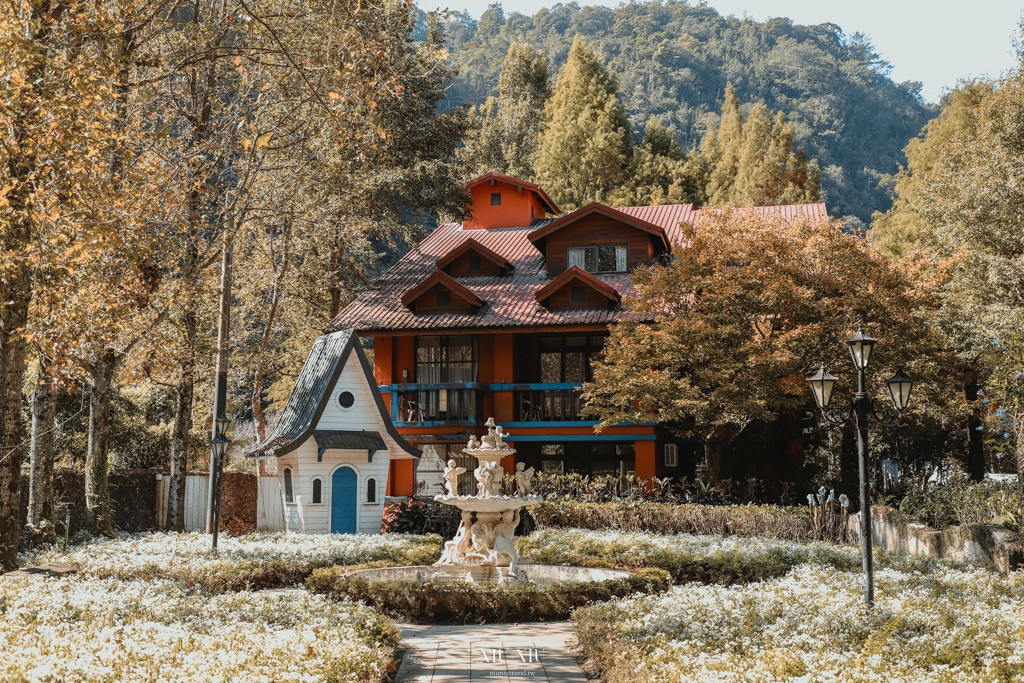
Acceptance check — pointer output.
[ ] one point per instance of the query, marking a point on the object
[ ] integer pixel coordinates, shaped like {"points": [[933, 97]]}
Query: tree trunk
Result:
{"points": [[259, 417], [97, 490], [182, 427], [13, 317], [40, 486], [975, 435]]}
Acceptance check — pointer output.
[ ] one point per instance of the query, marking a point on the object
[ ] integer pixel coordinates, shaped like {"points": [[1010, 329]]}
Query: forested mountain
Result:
{"points": [[672, 60]]}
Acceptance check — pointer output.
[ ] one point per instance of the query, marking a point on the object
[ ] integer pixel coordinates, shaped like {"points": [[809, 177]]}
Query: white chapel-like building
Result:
{"points": [[334, 443]]}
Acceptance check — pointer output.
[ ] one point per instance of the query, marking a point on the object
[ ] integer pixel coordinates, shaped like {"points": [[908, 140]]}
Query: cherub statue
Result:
{"points": [[451, 478], [473, 443], [499, 436], [496, 477], [491, 439], [484, 475], [524, 485]]}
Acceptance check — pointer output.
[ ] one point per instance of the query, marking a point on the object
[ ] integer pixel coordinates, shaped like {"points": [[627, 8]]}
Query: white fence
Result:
{"points": [[269, 512]]}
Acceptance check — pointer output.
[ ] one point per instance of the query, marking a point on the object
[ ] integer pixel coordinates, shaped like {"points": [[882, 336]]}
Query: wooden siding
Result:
{"points": [[595, 230], [460, 266], [562, 299], [427, 302]]}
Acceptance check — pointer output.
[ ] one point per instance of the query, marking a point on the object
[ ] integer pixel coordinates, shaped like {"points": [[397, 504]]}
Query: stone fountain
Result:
{"points": [[484, 547]]}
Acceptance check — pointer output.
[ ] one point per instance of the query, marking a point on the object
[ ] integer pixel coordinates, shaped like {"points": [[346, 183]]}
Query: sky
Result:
{"points": [[936, 42]]}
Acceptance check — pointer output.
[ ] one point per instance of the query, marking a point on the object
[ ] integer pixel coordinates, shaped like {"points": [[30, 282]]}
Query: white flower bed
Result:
{"points": [[945, 624], [188, 556], [95, 630]]}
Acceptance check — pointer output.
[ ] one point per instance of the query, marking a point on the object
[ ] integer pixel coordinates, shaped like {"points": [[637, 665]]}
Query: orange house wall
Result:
{"points": [[382, 360], [517, 209]]}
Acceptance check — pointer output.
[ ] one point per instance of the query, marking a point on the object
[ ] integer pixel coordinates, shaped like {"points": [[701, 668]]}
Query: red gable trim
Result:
{"points": [[548, 203], [472, 245], [597, 207], [577, 273], [446, 280]]}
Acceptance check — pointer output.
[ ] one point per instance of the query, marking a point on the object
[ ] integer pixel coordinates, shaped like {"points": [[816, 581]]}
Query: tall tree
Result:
{"points": [[659, 172], [751, 160], [739, 315], [584, 150], [507, 128]]}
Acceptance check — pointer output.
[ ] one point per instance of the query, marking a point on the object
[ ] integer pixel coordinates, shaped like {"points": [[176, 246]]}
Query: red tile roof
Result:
{"points": [[509, 299], [577, 273], [445, 279], [471, 244], [596, 207]]}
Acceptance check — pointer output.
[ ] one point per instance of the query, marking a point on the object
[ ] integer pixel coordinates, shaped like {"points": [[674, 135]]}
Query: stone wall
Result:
{"points": [[984, 545]]}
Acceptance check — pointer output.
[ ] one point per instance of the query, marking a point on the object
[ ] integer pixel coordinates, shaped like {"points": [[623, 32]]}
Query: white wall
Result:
{"points": [[269, 505], [197, 490]]}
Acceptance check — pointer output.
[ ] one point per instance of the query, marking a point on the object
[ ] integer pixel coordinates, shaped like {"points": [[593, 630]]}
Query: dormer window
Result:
{"points": [[474, 263], [598, 259], [444, 298], [579, 295], [495, 199]]}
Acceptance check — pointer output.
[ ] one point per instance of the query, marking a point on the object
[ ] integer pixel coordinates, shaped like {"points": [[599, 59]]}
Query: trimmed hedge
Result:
{"points": [[767, 521], [435, 603]]}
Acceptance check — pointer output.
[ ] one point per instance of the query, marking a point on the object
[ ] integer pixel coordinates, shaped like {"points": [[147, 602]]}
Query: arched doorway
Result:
{"points": [[343, 501]]}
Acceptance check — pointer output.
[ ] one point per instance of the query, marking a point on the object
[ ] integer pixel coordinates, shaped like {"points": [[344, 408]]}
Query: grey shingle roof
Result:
{"points": [[312, 389], [340, 438]]}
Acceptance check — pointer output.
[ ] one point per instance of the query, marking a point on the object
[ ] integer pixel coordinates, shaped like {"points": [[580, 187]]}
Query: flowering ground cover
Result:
{"points": [[92, 630], [709, 559], [251, 561], [944, 624]]}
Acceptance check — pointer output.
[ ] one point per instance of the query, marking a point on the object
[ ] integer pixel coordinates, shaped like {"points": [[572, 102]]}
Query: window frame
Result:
{"points": [[443, 294], [589, 349], [313, 492], [350, 393], [444, 365], [366, 492], [496, 199], [289, 486], [674, 450], [586, 249]]}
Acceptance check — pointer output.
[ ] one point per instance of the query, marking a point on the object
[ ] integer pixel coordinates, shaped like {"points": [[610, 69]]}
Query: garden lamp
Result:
{"points": [[899, 389], [822, 383], [860, 348]]}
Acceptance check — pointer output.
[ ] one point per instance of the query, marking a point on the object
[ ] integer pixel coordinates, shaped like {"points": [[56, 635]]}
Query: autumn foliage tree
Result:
{"points": [[724, 333]]}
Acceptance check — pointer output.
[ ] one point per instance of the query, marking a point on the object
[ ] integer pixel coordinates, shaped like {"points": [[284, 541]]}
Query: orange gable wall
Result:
{"points": [[518, 209]]}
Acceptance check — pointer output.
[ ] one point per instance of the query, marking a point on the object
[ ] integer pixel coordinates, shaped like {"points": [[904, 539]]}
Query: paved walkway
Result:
{"points": [[495, 653]]}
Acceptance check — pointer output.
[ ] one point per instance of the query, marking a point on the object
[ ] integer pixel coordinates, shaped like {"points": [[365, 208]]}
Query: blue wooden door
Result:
{"points": [[343, 501]]}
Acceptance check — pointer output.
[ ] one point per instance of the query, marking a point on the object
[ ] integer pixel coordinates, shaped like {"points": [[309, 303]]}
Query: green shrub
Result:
{"points": [[771, 521], [962, 501], [705, 559], [465, 602]]}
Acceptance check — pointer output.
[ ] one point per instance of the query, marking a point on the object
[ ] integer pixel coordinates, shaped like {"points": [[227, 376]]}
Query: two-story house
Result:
{"points": [[502, 314]]}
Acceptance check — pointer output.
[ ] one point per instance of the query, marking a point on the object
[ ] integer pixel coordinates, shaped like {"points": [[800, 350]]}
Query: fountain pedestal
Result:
{"points": [[484, 547]]}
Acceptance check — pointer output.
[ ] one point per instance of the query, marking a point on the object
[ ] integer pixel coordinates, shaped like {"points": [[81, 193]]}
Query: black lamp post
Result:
{"points": [[899, 385]]}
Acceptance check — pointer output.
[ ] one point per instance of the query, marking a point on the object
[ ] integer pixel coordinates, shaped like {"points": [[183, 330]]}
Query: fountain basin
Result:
{"points": [[490, 503]]}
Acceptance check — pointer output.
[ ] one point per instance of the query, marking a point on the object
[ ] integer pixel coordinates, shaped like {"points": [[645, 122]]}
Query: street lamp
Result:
{"points": [[899, 386]]}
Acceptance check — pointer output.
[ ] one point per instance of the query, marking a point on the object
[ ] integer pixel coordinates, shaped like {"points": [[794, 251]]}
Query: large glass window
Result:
{"points": [[600, 259], [441, 359], [567, 359]]}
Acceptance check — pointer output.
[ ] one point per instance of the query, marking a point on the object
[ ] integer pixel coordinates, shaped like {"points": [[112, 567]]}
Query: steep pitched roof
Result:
{"points": [[312, 390], [542, 196], [511, 298], [577, 273], [440, 277], [472, 245], [657, 231]]}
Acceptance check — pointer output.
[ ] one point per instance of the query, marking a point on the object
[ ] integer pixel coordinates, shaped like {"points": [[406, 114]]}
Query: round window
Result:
{"points": [[346, 399]]}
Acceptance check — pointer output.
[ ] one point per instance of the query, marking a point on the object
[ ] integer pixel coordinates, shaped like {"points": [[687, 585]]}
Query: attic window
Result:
{"points": [[318, 491], [600, 259], [371, 490], [444, 298], [579, 295], [495, 199], [474, 263], [346, 399]]}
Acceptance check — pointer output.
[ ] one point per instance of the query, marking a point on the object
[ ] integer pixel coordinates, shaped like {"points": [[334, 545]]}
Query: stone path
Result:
{"points": [[491, 653]]}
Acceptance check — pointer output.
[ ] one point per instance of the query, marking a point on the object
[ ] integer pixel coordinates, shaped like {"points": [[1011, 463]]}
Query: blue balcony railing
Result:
{"points": [[460, 403]]}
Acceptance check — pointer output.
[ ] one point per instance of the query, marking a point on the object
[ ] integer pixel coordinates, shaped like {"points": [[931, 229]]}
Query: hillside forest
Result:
{"points": [[316, 140]]}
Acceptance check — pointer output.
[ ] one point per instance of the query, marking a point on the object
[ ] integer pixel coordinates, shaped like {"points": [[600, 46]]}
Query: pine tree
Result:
{"points": [[658, 172], [584, 150], [751, 160], [508, 126]]}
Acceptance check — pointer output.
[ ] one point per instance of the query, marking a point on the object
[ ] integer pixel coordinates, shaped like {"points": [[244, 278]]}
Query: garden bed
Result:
{"points": [[88, 629], [457, 602], [242, 562], [940, 624]]}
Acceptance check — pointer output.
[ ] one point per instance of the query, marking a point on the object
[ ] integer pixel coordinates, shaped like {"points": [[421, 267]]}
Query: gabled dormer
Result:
{"points": [[439, 293], [576, 289], [599, 239], [501, 201], [473, 259]]}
